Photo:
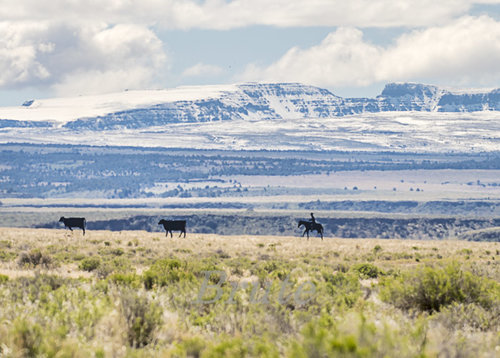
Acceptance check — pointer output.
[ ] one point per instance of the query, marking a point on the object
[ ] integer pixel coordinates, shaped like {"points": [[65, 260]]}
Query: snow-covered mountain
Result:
{"points": [[283, 116], [252, 101]]}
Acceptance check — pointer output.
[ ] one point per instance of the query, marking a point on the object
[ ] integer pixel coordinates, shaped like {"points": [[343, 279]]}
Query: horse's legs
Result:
{"points": [[304, 232]]}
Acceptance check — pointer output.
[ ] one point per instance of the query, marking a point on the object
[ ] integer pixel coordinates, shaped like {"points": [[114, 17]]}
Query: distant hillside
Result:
{"points": [[488, 234]]}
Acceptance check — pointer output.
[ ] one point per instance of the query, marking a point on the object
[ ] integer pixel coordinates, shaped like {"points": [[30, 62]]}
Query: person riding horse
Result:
{"points": [[310, 226]]}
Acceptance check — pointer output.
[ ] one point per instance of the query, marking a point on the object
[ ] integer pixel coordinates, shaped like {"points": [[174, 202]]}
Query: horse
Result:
{"points": [[310, 226]]}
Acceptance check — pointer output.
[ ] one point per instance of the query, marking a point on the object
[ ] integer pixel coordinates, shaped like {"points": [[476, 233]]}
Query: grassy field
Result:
{"points": [[139, 294]]}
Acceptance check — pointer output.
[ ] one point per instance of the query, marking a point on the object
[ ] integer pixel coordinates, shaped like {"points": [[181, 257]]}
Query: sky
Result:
{"points": [[58, 48]]}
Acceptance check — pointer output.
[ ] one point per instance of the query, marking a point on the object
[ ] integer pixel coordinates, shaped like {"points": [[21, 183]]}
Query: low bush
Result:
{"points": [[344, 288], [27, 337], [367, 270], [355, 336], [126, 279], [34, 287], [3, 278], [143, 317], [457, 316], [430, 289], [89, 264], [35, 258], [7, 255], [165, 271]]}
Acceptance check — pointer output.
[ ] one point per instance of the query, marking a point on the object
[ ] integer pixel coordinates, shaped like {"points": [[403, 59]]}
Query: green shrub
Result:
{"points": [[89, 264], [165, 271], [238, 347], [28, 337], [230, 348], [354, 336], [344, 288], [459, 315], [5, 244], [35, 258], [3, 278], [7, 255], [367, 270], [429, 289], [126, 279], [35, 287], [142, 317], [190, 347], [117, 252]]}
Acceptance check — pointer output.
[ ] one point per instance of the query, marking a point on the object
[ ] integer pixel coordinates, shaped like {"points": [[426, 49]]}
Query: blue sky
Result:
{"points": [[60, 48]]}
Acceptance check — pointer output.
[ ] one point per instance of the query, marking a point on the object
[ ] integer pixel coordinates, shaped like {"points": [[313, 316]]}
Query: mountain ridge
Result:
{"points": [[248, 101]]}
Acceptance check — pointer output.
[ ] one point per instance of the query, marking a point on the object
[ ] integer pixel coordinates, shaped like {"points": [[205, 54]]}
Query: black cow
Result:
{"points": [[173, 225], [73, 222]]}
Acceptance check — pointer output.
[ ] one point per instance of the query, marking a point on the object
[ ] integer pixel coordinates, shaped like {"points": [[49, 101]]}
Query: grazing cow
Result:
{"points": [[73, 222], [173, 225]]}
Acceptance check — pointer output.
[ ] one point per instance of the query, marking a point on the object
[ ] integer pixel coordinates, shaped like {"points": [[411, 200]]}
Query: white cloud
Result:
{"points": [[105, 45], [463, 52], [202, 69], [222, 14], [342, 58], [78, 58]]}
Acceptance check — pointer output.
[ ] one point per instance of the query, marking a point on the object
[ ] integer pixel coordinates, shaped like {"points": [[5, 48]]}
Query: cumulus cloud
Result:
{"points": [[105, 45], [78, 58], [222, 14], [463, 52]]}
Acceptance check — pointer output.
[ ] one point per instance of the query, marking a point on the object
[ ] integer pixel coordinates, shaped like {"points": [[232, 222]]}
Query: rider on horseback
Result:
{"points": [[311, 225]]}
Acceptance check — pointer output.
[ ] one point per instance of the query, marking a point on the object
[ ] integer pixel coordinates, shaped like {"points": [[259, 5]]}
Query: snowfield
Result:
{"points": [[388, 131], [404, 118], [65, 109]]}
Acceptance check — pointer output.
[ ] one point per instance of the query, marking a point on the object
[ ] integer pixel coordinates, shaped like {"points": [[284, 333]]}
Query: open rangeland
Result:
{"points": [[137, 293]]}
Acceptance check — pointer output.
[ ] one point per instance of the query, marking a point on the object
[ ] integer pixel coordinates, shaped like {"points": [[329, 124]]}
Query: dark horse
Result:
{"points": [[310, 226]]}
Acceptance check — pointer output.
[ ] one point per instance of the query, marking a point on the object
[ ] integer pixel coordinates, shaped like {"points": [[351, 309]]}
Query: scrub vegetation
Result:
{"points": [[139, 294]]}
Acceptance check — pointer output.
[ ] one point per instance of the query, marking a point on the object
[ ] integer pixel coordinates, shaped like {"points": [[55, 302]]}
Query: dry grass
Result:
{"points": [[142, 247], [66, 308]]}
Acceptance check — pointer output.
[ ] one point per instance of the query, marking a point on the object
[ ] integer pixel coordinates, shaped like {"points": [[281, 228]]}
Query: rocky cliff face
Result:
{"points": [[256, 101]]}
